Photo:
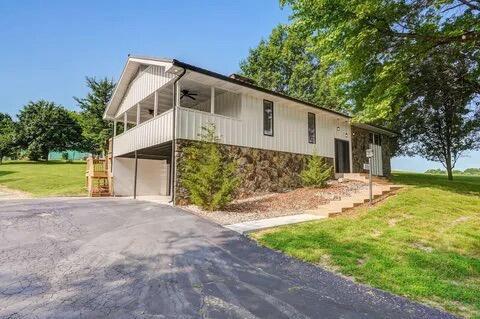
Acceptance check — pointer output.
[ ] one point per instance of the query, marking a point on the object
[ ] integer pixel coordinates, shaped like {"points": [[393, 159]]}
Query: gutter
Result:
{"points": [[174, 146]]}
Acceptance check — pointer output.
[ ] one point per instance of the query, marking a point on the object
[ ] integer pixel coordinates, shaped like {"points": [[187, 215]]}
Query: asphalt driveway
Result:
{"points": [[118, 258]]}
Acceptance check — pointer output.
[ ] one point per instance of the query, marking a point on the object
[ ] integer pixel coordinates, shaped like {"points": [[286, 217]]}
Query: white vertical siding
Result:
{"points": [[147, 82], [152, 132], [290, 127]]}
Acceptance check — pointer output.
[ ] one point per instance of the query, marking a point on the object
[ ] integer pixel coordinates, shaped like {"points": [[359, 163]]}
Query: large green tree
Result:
{"points": [[7, 135], [44, 126], [286, 63], [370, 46], [441, 118], [96, 131]]}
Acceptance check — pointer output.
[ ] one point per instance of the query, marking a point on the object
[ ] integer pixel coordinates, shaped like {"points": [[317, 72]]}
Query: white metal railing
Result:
{"points": [[149, 133], [190, 122]]}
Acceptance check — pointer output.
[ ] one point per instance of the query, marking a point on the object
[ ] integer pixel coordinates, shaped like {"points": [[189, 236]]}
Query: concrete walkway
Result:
{"points": [[253, 225]]}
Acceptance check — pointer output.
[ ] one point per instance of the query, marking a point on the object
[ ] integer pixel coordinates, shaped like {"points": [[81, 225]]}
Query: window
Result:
{"points": [[312, 129], [267, 117]]}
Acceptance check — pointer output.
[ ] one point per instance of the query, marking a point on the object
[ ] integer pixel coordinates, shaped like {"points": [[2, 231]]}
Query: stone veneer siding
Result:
{"points": [[360, 144], [259, 170]]}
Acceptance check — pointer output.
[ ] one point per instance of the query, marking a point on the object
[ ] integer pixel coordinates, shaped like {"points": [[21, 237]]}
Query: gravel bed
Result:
{"points": [[280, 204]]}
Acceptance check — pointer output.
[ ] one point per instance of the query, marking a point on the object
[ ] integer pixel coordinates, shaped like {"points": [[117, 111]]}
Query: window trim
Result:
{"points": [[314, 128], [273, 117]]}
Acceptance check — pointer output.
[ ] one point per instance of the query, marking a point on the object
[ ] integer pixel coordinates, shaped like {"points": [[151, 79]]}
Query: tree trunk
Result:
{"points": [[449, 167]]}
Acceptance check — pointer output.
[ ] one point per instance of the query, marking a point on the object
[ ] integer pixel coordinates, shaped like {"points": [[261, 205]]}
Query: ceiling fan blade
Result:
{"points": [[191, 97]]}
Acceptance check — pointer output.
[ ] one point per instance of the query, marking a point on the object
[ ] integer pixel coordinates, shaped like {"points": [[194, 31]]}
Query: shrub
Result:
{"points": [[316, 173], [207, 175]]}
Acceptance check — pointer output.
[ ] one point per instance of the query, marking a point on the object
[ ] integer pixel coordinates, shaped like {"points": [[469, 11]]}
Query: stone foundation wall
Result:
{"points": [[259, 170], [360, 143]]}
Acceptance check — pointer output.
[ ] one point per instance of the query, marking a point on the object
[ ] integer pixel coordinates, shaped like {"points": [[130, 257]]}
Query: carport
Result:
{"points": [[144, 173]]}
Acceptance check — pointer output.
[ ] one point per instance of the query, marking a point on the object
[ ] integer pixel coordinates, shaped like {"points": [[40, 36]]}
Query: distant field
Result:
{"points": [[423, 243], [53, 178]]}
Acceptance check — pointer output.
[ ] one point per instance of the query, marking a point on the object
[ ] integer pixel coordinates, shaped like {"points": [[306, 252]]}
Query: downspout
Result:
{"points": [[173, 159]]}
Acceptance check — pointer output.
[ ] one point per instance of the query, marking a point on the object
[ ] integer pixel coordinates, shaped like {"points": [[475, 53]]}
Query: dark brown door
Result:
{"points": [[342, 156]]}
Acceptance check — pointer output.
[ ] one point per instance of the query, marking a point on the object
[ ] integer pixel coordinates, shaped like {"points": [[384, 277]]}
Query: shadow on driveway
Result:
{"points": [[117, 258]]}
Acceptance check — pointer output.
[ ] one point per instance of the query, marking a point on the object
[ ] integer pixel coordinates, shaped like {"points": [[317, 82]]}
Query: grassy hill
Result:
{"points": [[53, 178], [423, 243]]}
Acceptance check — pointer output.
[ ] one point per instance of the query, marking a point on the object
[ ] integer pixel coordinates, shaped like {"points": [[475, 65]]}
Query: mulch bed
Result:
{"points": [[280, 204]]}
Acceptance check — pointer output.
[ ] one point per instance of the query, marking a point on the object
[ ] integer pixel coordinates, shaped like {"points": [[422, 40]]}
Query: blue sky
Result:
{"points": [[48, 47]]}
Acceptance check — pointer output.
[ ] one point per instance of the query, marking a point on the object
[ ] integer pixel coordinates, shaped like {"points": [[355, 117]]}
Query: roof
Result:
{"points": [[128, 73], [251, 86], [133, 60], [376, 128]]}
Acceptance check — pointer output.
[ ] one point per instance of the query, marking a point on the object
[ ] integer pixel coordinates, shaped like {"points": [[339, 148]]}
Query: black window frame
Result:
{"points": [[266, 104], [314, 136]]}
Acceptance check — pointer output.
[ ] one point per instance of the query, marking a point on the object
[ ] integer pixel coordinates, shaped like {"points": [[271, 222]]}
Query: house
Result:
{"points": [[159, 106]]}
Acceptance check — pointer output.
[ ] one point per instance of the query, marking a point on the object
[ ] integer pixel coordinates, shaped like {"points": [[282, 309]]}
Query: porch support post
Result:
{"points": [[212, 99], [114, 128], [138, 113], [125, 122], [135, 177], [155, 104]]}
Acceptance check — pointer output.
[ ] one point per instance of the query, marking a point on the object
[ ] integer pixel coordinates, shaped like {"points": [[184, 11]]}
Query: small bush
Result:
{"points": [[316, 173], [208, 176]]}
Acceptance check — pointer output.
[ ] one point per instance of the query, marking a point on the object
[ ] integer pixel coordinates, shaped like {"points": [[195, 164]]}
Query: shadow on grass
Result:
{"points": [[3, 173], [434, 275], [467, 185]]}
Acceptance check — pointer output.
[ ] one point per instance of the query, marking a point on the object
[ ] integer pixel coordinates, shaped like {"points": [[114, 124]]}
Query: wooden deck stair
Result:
{"points": [[98, 178]]}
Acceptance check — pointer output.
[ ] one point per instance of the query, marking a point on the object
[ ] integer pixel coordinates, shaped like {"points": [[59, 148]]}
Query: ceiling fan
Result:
{"points": [[188, 94]]}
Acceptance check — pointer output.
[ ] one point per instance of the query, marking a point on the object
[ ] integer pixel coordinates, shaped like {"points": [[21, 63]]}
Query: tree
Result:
{"points": [[472, 171], [441, 119], [316, 173], [208, 176], [44, 126], [284, 63], [96, 131], [370, 46], [7, 135]]}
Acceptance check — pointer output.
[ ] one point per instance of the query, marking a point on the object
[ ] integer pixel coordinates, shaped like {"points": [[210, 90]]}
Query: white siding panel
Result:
{"points": [[290, 127], [147, 82], [152, 132]]}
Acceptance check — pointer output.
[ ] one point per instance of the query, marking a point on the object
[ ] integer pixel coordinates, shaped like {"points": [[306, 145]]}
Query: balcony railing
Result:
{"points": [[149, 133]]}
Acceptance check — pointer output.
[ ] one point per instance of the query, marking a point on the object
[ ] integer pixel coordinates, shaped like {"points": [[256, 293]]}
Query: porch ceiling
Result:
{"points": [[158, 152]]}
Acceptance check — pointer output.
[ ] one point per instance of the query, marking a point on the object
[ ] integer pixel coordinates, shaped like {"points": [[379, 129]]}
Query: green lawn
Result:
{"points": [[423, 243], [53, 178]]}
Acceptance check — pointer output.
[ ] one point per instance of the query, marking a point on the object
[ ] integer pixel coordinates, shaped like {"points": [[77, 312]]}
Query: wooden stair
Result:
{"points": [[98, 178]]}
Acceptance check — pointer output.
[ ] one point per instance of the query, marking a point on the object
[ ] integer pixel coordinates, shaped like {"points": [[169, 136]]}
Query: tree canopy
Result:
{"points": [[95, 129], [284, 63], [44, 126], [369, 46], [7, 135], [440, 119]]}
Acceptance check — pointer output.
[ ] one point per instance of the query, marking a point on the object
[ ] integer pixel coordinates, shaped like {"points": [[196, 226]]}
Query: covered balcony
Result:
{"points": [[149, 122]]}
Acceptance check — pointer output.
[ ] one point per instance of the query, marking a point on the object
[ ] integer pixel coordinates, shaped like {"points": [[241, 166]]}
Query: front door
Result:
{"points": [[376, 146], [342, 156]]}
